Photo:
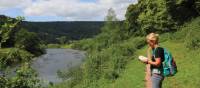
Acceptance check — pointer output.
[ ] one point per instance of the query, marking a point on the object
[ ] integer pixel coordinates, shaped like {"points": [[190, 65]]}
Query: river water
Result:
{"points": [[48, 64]]}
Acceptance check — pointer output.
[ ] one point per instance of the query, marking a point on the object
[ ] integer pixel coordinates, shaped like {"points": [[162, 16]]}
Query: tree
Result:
{"points": [[111, 31], [132, 13], [110, 21], [8, 28], [111, 15], [160, 15], [197, 6], [155, 17], [29, 41], [62, 39]]}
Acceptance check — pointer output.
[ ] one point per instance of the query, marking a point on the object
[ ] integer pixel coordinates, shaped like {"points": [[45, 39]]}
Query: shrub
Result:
{"points": [[110, 62], [189, 34], [25, 78], [29, 41], [53, 46], [14, 56]]}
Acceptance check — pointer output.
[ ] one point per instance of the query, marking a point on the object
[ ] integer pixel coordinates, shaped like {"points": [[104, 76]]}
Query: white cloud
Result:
{"points": [[74, 9], [6, 4], [70, 9]]}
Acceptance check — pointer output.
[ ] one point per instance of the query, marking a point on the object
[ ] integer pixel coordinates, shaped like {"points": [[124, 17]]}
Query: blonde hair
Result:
{"points": [[153, 36]]}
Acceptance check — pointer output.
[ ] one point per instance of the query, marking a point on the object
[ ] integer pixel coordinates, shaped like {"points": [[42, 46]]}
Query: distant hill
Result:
{"points": [[73, 30], [3, 16], [50, 31]]}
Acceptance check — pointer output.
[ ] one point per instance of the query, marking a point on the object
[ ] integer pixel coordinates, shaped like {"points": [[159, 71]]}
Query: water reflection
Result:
{"points": [[56, 59]]}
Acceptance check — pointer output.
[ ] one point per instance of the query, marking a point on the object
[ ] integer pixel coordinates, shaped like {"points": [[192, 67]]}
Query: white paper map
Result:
{"points": [[143, 58]]}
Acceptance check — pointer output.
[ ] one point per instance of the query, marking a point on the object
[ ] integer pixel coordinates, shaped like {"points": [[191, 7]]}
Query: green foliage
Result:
{"points": [[29, 41], [197, 6], [53, 46], [105, 64], [62, 39], [111, 16], [131, 16], [110, 62], [189, 34], [156, 17], [11, 34], [28, 45], [25, 78], [13, 56], [7, 30], [3, 81], [18, 47], [160, 15], [134, 73], [112, 32], [74, 75], [74, 30], [186, 7], [108, 53], [67, 46], [4, 36]]}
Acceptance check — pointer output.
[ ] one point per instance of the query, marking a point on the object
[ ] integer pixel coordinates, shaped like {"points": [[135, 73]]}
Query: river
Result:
{"points": [[48, 64]]}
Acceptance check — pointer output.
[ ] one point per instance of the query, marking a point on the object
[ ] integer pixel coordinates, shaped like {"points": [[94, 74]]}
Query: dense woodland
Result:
{"points": [[50, 32], [111, 55]]}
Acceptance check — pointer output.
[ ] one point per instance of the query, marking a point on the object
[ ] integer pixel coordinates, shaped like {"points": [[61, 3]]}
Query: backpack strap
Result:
{"points": [[153, 53]]}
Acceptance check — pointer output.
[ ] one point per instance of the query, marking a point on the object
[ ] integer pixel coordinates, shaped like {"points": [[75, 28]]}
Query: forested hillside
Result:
{"points": [[74, 30], [51, 32], [111, 55]]}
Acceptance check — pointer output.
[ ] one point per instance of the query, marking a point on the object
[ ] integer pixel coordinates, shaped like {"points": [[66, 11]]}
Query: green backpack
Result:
{"points": [[169, 65]]}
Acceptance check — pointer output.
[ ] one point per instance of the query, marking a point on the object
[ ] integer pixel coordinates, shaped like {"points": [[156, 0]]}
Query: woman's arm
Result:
{"points": [[157, 62]]}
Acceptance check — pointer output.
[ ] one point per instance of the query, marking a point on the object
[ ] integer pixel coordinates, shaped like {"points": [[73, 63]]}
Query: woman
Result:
{"points": [[155, 60]]}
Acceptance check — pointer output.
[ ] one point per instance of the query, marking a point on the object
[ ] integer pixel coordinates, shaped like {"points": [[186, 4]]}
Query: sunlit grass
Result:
{"points": [[188, 63], [65, 46]]}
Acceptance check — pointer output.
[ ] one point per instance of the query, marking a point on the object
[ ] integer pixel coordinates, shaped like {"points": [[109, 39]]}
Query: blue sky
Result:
{"points": [[63, 10]]}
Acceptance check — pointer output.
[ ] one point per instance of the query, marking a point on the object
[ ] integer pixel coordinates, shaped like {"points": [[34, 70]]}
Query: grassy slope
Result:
{"points": [[188, 63]]}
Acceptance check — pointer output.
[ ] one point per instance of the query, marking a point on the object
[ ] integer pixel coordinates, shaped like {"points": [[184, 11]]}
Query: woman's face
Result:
{"points": [[151, 43]]}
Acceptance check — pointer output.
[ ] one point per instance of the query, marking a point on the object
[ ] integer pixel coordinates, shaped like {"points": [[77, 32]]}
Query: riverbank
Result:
{"points": [[64, 46], [49, 66]]}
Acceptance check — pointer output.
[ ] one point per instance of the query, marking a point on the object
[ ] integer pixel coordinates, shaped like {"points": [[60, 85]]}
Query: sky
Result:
{"points": [[63, 10]]}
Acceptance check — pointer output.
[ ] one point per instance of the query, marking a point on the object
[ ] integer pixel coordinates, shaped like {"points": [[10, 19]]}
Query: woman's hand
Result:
{"points": [[146, 62]]}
